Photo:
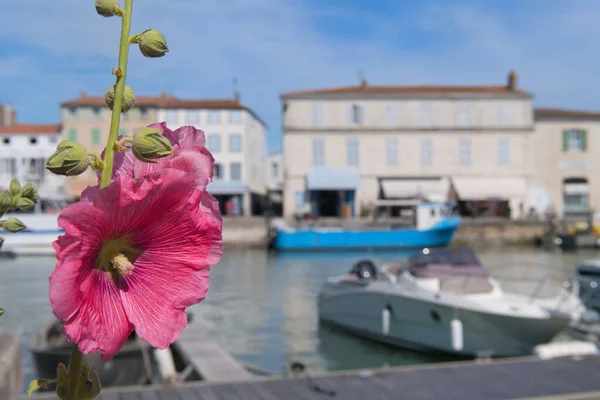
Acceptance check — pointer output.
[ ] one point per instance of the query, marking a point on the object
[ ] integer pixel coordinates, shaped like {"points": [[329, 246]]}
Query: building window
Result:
{"points": [[72, 135], [214, 116], [144, 113], [235, 143], [318, 114], [352, 155], [275, 169], [192, 117], [464, 114], [503, 117], [235, 116], [172, 116], [356, 114], [318, 152], [503, 152], [8, 166], [575, 196], [574, 140], [96, 136], [97, 113], [33, 140], [464, 151], [6, 140], [217, 171], [236, 171], [426, 152], [73, 113], [392, 114], [53, 139], [391, 147], [426, 111], [214, 143]]}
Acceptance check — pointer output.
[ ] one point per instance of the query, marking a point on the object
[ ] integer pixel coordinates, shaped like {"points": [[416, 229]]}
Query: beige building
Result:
{"points": [[567, 154], [365, 144], [235, 135], [86, 120]]}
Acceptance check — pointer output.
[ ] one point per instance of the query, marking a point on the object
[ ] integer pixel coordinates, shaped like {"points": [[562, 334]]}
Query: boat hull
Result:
{"points": [[319, 239], [425, 325]]}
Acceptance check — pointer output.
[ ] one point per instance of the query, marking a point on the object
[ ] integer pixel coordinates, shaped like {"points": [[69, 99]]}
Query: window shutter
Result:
{"points": [[565, 140], [584, 140]]}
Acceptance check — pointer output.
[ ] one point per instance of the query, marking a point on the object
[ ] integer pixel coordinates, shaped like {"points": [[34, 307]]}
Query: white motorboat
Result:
{"points": [[444, 300]]}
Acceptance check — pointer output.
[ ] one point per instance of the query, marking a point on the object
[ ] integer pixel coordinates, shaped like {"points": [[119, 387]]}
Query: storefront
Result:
{"points": [[576, 200], [491, 196], [332, 191], [231, 197]]}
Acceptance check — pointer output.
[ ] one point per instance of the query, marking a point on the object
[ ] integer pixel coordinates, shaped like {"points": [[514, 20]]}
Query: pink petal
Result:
{"points": [[158, 296], [85, 299], [198, 162], [89, 193], [189, 136]]}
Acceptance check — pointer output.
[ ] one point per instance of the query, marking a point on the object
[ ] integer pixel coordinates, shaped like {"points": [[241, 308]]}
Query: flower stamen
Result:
{"points": [[122, 264]]}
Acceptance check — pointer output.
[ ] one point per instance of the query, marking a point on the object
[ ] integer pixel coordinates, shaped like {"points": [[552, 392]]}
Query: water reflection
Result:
{"points": [[262, 307]]}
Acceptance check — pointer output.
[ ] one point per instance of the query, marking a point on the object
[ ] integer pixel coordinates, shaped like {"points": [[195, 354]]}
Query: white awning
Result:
{"points": [[333, 178], [432, 189], [485, 188], [576, 188]]}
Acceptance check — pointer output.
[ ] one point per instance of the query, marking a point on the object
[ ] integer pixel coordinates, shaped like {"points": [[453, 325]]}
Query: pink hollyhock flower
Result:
{"points": [[189, 155], [134, 256]]}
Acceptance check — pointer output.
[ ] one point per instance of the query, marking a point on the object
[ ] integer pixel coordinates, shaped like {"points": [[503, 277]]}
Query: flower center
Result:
{"points": [[117, 255]]}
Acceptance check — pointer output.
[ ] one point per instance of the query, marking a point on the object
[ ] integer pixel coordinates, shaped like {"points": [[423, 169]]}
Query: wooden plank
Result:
{"points": [[211, 361]]}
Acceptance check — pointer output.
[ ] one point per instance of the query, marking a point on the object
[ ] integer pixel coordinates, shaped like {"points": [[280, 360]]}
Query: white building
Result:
{"points": [[236, 137], [362, 145], [275, 176], [24, 150]]}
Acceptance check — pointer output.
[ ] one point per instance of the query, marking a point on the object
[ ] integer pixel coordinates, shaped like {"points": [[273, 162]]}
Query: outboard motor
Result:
{"points": [[365, 269]]}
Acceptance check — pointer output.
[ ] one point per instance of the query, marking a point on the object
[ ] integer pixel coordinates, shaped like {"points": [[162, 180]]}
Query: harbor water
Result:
{"points": [[262, 307]]}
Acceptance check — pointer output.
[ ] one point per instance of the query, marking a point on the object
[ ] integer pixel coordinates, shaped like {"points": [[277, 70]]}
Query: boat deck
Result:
{"points": [[568, 378]]}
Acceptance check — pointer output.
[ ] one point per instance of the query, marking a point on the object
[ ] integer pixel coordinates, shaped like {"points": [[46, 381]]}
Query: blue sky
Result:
{"points": [[50, 50]]}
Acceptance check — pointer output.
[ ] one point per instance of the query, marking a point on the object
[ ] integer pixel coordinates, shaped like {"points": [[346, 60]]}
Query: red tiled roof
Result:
{"points": [[30, 129], [391, 90], [167, 102], [564, 114]]}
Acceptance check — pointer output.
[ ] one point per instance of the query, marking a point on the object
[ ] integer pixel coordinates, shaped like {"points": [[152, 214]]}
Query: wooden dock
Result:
{"points": [[557, 379], [207, 356]]}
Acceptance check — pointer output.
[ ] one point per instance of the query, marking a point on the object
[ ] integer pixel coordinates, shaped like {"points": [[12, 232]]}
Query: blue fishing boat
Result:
{"points": [[434, 225]]}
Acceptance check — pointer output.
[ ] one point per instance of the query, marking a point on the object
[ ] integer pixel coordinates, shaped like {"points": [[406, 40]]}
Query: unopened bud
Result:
{"points": [[148, 145], [13, 225], [107, 8], [29, 191], [15, 187], [24, 204], [6, 200], [69, 159], [128, 98], [152, 43]]}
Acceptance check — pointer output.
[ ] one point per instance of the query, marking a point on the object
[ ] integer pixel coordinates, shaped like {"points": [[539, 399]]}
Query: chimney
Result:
{"points": [[512, 80], [8, 116], [363, 83], [163, 94], [82, 93], [236, 96], [13, 118]]}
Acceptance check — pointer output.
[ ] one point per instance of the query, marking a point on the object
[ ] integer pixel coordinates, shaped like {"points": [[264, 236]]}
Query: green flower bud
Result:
{"points": [[29, 191], [148, 145], [13, 225], [152, 43], [107, 8], [7, 200], [24, 204], [128, 98], [69, 159], [15, 187]]}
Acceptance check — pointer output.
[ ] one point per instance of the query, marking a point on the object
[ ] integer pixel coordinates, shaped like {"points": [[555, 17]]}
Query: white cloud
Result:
{"points": [[277, 45]]}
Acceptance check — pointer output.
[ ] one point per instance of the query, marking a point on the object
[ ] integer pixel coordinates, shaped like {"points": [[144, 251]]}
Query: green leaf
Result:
{"points": [[37, 384]]}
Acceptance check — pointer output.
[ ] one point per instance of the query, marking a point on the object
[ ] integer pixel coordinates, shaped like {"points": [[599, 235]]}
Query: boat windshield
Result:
{"points": [[446, 263]]}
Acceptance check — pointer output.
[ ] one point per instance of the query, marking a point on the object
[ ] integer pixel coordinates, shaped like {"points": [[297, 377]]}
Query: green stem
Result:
{"points": [[120, 89], [74, 373]]}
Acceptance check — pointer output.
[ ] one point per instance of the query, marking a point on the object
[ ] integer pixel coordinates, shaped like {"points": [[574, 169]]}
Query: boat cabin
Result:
{"points": [[420, 214]]}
